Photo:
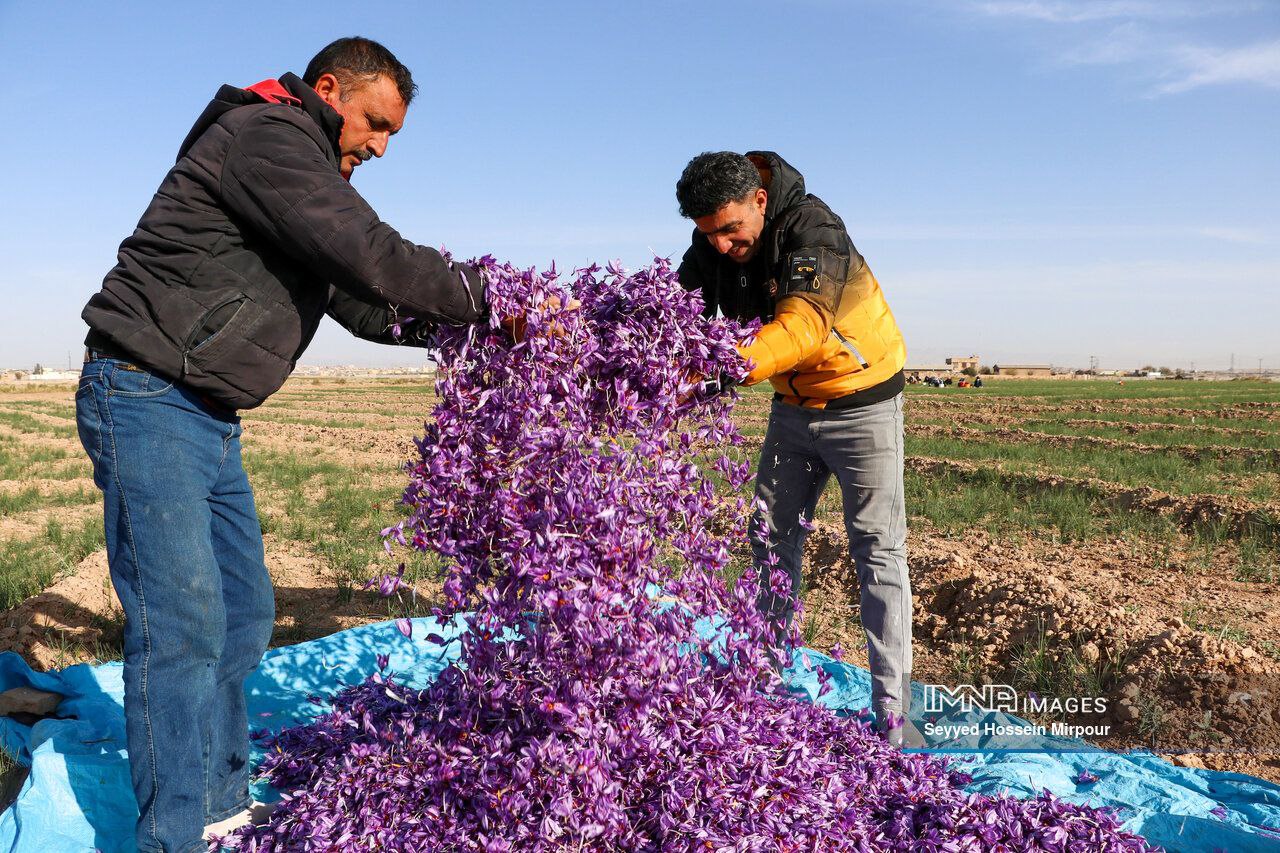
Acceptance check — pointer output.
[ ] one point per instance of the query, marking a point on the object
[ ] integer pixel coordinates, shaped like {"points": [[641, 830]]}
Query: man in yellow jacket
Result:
{"points": [[765, 248]]}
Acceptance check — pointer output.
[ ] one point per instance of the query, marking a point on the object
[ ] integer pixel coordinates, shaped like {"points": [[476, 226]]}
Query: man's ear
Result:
{"points": [[762, 199], [329, 89]]}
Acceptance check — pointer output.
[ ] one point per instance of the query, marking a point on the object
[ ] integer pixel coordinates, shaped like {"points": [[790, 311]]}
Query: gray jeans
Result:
{"points": [[863, 448]]}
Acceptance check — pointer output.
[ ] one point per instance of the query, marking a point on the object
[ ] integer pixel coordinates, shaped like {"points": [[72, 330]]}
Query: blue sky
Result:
{"points": [[1030, 181]]}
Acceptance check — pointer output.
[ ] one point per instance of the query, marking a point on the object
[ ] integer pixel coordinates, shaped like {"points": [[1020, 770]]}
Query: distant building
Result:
{"points": [[46, 374], [929, 369], [1022, 370], [961, 363]]}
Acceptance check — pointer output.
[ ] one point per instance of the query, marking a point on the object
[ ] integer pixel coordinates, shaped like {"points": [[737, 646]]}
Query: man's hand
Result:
{"points": [[697, 385], [517, 325]]}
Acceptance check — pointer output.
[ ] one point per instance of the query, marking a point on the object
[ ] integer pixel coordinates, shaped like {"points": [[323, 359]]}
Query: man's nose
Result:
{"points": [[378, 144], [722, 243]]}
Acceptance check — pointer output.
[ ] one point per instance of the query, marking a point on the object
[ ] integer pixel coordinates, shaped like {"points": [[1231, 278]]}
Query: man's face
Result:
{"points": [[734, 230], [372, 112]]}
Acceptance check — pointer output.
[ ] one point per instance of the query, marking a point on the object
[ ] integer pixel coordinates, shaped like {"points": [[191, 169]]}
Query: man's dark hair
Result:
{"points": [[712, 180], [356, 61]]}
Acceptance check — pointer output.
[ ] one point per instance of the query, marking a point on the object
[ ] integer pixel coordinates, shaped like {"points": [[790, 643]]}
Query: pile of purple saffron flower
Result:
{"points": [[614, 692]]}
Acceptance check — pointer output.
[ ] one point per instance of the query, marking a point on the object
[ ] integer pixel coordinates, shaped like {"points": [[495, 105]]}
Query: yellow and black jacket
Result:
{"points": [[829, 338]]}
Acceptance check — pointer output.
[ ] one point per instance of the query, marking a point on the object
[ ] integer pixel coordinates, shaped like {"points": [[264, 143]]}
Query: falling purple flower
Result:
{"points": [[1084, 777], [563, 479]]}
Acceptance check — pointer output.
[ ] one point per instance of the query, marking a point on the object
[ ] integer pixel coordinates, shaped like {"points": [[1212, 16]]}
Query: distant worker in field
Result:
{"points": [[253, 236], [765, 248]]}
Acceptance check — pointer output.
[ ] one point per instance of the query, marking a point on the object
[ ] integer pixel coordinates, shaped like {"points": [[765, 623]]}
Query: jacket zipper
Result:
{"points": [[853, 349], [186, 345]]}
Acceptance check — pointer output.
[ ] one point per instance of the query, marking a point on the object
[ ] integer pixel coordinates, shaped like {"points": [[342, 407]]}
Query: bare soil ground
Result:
{"points": [[1170, 627]]}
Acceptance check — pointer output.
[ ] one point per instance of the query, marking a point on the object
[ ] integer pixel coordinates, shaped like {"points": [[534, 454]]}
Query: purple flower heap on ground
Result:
{"points": [[560, 479]]}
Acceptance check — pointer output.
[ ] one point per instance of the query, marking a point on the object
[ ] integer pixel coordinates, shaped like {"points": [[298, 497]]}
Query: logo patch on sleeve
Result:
{"points": [[803, 268]]}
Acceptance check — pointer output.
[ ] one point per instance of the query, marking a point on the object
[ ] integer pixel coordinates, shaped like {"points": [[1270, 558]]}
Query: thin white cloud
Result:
{"points": [[1083, 11], [1257, 63], [1123, 43], [1059, 231], [1143, 35], [1248, 236]]}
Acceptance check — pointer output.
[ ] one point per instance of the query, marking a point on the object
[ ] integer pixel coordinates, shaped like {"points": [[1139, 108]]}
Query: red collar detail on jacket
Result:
{"points": [[273, 92]]}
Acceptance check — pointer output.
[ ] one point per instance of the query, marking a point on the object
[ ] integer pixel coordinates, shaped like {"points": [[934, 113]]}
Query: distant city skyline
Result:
{"points": [[1032, 181]]}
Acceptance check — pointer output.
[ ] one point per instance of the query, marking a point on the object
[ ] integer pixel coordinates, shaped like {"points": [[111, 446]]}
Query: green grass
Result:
{"points": [[18, 462], [1156, 436], [1168, 472], [27, 566], [30, 498], [330, 509], [48, 407], [1257, 562], [1035, 666], [23, 422], [336, 422], [12, 777], [1153, 716], [1188, 394], [957, 502], [1155, 419]]}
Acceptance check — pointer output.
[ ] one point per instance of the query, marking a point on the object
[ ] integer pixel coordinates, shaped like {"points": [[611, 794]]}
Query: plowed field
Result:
{"points": [[1078, 537]]}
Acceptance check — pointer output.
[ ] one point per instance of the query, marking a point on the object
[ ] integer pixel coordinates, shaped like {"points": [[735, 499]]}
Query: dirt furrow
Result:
{"points": [[1131, 427], [337, 444], [48, 487], [1236, 517], [69, 420], [40, 439], [32, 523], [322, 417], [1229, 411], [1268, 457]]}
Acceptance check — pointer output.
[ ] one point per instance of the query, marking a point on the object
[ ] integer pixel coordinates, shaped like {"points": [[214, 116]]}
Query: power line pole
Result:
{"points": [[1233, 362]]}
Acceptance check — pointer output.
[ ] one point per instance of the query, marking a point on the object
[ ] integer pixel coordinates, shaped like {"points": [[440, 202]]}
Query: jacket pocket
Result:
{"points": [[214, 321], [227, 324], [852, 348]]}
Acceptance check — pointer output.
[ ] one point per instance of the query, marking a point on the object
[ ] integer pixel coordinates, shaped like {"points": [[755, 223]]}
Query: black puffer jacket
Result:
{"points": [[829, 340], [251, 238], [795, 221]]}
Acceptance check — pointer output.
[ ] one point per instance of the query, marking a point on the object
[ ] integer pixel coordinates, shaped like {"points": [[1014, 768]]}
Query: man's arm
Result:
{"points": [[817, 260], [376, 322], [279, 182]]}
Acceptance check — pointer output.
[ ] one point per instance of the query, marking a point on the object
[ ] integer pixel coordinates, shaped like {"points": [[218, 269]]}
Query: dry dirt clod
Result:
{"points": [[1125, 712]]}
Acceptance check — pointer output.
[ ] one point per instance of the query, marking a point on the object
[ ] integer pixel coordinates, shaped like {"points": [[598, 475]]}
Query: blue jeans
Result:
{"points": [[185, 549], [862, 447]]}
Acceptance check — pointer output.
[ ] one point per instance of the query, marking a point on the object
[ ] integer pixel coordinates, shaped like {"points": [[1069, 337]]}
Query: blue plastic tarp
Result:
{"points": [[78, 799]]}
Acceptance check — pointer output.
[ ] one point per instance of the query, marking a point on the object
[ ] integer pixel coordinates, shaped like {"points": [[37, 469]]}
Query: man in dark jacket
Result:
{"points": [[253, 235], [763, 248]]}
